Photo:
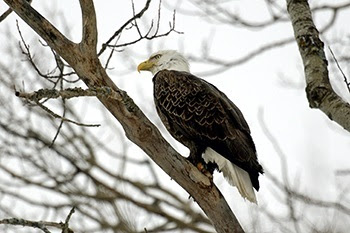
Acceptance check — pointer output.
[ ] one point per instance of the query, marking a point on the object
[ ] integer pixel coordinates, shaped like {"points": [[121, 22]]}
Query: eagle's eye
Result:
{"points": [[157, 56]]}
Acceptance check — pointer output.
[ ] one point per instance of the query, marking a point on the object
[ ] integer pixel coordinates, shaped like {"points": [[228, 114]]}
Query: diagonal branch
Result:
{"points": [[319, 90]]}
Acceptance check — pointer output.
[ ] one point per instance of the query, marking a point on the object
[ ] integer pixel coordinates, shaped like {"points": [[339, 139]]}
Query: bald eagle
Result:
{"points": [[201, 117]]}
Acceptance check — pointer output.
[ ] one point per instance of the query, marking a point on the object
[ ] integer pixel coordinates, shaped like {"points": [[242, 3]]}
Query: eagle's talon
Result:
{"points": [[202, 169]]}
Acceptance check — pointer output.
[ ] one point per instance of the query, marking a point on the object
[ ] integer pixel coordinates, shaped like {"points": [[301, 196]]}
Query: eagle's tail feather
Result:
{"points": [[235, 175]]}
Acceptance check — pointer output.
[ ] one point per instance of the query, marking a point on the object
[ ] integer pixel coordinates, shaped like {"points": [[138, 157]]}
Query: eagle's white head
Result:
{"points": [[165, 59]]}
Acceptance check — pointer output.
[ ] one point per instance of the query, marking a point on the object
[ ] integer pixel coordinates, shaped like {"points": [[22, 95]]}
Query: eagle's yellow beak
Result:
{"points": [[146, 65]]}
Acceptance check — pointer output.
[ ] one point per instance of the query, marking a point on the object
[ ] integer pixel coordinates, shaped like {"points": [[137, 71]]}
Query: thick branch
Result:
{"points": [[136, 125], [89, 38], [319, 90]]}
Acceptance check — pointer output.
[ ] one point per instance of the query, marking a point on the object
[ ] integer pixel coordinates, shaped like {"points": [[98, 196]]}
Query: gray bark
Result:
{"points": [[318, 88]]}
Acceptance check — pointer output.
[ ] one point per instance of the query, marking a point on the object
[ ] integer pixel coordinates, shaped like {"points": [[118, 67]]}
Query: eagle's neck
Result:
{"points": [[176, 63]]}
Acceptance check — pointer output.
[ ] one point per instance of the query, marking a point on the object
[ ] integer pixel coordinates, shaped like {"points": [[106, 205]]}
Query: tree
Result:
{"points": [[83, 58]]}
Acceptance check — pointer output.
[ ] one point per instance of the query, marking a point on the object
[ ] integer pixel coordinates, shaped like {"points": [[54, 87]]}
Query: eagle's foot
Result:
{"points": [[203, 169]]}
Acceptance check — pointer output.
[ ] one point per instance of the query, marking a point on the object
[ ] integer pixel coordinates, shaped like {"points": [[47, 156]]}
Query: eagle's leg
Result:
{"points": [[195, 156], [196, 159]]}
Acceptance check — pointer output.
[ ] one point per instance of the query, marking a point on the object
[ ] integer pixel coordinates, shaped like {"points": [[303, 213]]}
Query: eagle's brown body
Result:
{"points": [[198, 115]]}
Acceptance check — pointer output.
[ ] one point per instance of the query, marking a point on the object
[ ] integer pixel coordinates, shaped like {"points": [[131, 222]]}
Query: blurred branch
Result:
{"points": [[319, 90], [42, 225], [227, 13], [290, 194], [344, 172], [55, 115], [5, 14], [307, 199], [289, 200], [220, 12], [224, 65]]}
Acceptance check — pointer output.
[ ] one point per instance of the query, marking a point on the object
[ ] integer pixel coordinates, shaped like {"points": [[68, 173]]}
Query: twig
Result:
{"points": [[60, 125], [148, 35], [137, 16], [336, 62], [111, 53], [65, 228]]}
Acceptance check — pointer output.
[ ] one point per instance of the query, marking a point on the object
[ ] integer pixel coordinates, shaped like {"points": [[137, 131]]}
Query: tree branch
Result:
{"points": [[22, 222], [319, 90], [66, 93], [89, 38], [137, 16], [42, 225]]}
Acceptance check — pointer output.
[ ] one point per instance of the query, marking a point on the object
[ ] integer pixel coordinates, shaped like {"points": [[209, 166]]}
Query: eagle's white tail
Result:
{"points": [[235, 175]]}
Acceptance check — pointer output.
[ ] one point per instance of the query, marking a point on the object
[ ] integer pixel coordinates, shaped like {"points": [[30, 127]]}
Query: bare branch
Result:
{"points": [[102, 92], [137, 16], [148, 35], [319, 90], [22, 222], [42, 225]]}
